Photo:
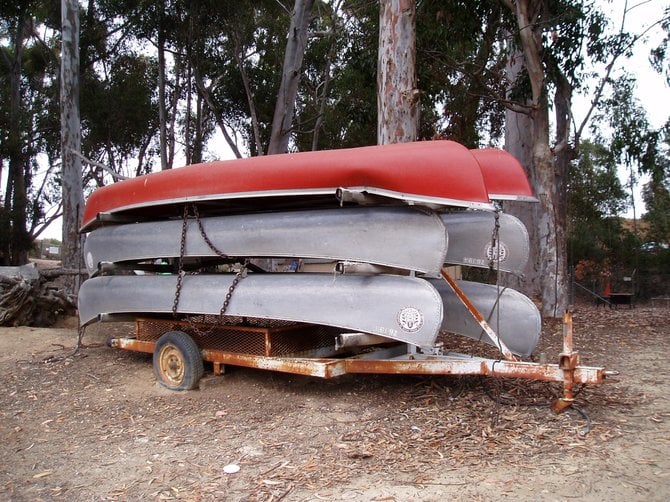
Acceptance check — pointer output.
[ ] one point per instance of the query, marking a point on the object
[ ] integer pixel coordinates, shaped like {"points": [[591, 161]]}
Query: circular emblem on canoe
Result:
{"points": [[496, 253], [410, 319]]}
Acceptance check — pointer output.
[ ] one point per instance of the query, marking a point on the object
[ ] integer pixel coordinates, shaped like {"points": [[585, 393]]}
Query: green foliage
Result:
{"points": [[119, 113], [351, 112], [460, 69], [595, 197], [657, 200], [659, 58], [656, 196]]}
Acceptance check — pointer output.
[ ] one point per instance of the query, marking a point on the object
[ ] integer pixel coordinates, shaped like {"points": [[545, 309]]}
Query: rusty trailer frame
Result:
{"points": [[311, 351]]}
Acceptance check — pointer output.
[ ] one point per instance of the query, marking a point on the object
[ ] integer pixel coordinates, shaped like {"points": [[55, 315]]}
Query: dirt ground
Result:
{"points": [[96, 426]]}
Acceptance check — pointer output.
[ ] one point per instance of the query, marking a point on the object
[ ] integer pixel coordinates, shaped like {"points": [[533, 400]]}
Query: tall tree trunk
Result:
{"points": [[171, 139], [16, 241], [519, 142], [196, 156], [564, 151], [257, 146], [218, 117], [73, 197], [546, 273], [162, 114], [288, 89], [324, 95], [188, 140], [397, 95]]}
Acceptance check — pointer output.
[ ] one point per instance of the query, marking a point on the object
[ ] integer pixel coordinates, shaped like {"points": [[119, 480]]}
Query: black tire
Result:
{"points": [[177, 361]]}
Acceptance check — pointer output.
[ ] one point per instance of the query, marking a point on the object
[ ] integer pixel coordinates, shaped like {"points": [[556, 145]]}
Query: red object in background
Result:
{"points": [[607, 292]]}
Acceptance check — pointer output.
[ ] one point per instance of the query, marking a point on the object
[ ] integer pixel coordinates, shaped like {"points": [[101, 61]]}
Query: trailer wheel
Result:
{"points": [[177, 361]]}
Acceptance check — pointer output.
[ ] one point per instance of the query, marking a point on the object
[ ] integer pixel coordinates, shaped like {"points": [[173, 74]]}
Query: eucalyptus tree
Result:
{"points": [[73, 192], [235, 53], [632, 140], [656, 193], [460, 64], [397, 93], [14, 238], [27, 126], [659, 55], [553, 41], [294, 53], [349, 117]]}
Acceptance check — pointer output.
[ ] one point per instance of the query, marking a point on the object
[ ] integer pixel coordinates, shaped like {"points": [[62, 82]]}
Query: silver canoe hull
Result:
{"points": [[405, 309], [401, 308], [512, 315], [471, 243], [401, 238]]}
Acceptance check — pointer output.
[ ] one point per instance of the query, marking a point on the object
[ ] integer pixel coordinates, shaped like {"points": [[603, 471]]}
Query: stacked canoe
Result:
{"points": [[354, 239]]}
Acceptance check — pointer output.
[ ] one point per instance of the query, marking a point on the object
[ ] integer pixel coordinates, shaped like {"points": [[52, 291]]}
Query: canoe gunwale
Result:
{"points": [[406, 198]]}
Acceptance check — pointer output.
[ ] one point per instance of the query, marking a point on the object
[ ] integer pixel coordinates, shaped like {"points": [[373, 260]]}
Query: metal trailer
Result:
{"points": [[180, 347]]}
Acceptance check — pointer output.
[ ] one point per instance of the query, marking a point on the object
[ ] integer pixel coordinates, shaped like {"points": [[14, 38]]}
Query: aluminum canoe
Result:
{"points": [[400, 308], [471, 240], [397, 237], [512, 315], [401, 238], [442, 173]]}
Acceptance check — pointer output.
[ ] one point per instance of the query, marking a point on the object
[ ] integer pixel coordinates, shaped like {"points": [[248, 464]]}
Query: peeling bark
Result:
{"points": [[73, 196], [397, 95], [528, 139]]}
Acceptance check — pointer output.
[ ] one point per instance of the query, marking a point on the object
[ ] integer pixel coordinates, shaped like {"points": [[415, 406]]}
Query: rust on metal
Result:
{"points": [[132, 344], [478, 316], [317, 367], [568, 361], [410, 365], [307, 350], [171, 365], [417, 364]]}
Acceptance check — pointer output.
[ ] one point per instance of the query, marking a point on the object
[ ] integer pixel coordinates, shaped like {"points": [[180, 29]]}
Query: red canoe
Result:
{"points": [[504, 176], [432, 172]]}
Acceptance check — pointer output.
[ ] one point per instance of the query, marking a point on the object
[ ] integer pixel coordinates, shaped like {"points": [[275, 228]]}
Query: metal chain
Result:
{"points": [[205, 237], [241, 274], [495, 260], [238, 276], [495, 242], [180, 269]]}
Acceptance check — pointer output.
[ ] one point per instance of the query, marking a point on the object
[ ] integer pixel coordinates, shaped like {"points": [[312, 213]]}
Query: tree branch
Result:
{"points": [[247, 89], [206, 95], [610, 66], [93, 163]]}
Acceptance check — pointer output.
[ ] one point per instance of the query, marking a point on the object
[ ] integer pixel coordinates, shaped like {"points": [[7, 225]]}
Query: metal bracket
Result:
{"points": [[478, 316]]}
